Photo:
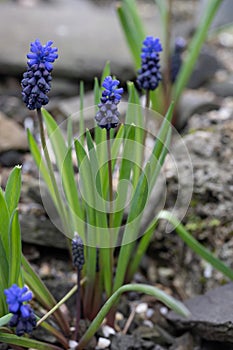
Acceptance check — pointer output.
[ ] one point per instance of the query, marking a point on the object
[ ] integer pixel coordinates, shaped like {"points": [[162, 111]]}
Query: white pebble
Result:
{"points": [[72, 344], [103, 343], [150, 312], [107, 331], [141, 308], [163, 310]]}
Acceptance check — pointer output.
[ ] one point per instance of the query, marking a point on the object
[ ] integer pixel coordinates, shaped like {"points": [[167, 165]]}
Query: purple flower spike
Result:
{"points": [[149, 75], [107, 116], [36, 82], [15, 296], [23, 318], [42, 54]]}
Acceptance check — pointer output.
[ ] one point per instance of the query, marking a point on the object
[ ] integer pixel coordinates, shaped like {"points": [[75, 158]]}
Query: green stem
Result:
{"points": [[110, 178], [62, 301], [111, 316], [78, 305], [50, 168]]}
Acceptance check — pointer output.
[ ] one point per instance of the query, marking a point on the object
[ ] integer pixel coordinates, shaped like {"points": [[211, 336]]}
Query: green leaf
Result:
{"points": [[4, 275], [5, 319], [169, 301], [15, 250], [34, 149], [13, 187], [26, 342], [195, 47], [4, 225], [106, 71], [65, 166], [195, 245], [42, 293], [81, 118], [132, 27]]}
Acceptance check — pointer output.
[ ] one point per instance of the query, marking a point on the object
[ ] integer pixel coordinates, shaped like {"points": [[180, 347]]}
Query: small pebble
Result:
{"points": [[150, 312], [141, 308], [163, 310], [103, 343], [72, 344], [107, 331]]}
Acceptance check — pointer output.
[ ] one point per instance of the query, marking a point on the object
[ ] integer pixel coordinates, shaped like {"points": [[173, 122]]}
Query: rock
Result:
{"points": [[185, 342], [11, 158], [223, 88], [205, 68], [211, 315], [223, 16], [86, 35], [12, 136], [194, 101], [125, 341]]}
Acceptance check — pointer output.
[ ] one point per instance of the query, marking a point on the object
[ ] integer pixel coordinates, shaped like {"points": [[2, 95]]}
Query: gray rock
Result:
{"points": [[11, 158], [194, 101], [205, 68], [223, 88], [86, 35], [12, 135], [211, 315], [223, 16]]}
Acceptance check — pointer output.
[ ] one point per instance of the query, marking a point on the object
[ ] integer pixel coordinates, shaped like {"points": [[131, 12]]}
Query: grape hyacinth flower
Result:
{"points": [[36, 81], [176, 58], [149, 74], [23, 317], [77, 252], [108, 115]]}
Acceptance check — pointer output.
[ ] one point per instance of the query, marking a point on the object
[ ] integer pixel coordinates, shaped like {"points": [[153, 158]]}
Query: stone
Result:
{"points": [[12, 135], [211, 315], [222, 88], [11, 158], [206, 66], [86, 36], [194, 101]]}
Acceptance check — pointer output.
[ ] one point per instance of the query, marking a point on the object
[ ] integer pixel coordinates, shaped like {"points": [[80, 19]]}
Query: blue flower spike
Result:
{"points": [[36, 82], [149, 75], [108, 115], [23, 317]]}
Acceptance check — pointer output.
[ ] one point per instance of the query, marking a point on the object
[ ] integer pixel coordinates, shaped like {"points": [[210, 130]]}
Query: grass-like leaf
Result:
{"points": [[132, 27], [195, 245], [13, 187], [65, 166], [5, 319], [195, 47], [169, 301], [42, 293], [4, 224], [26, 342], [15, 274]]}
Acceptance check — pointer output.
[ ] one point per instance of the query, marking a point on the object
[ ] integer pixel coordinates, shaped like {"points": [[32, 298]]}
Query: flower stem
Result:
{"points": [[50, 168], [147, 104], [111, 316], [78, 305], [110, 178]]}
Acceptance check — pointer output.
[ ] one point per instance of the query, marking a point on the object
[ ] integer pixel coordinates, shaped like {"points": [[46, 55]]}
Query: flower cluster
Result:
{"points": [[108, 115], [36, 80], [176, 58], [23, 317], [78, 252], [149, 75]]}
